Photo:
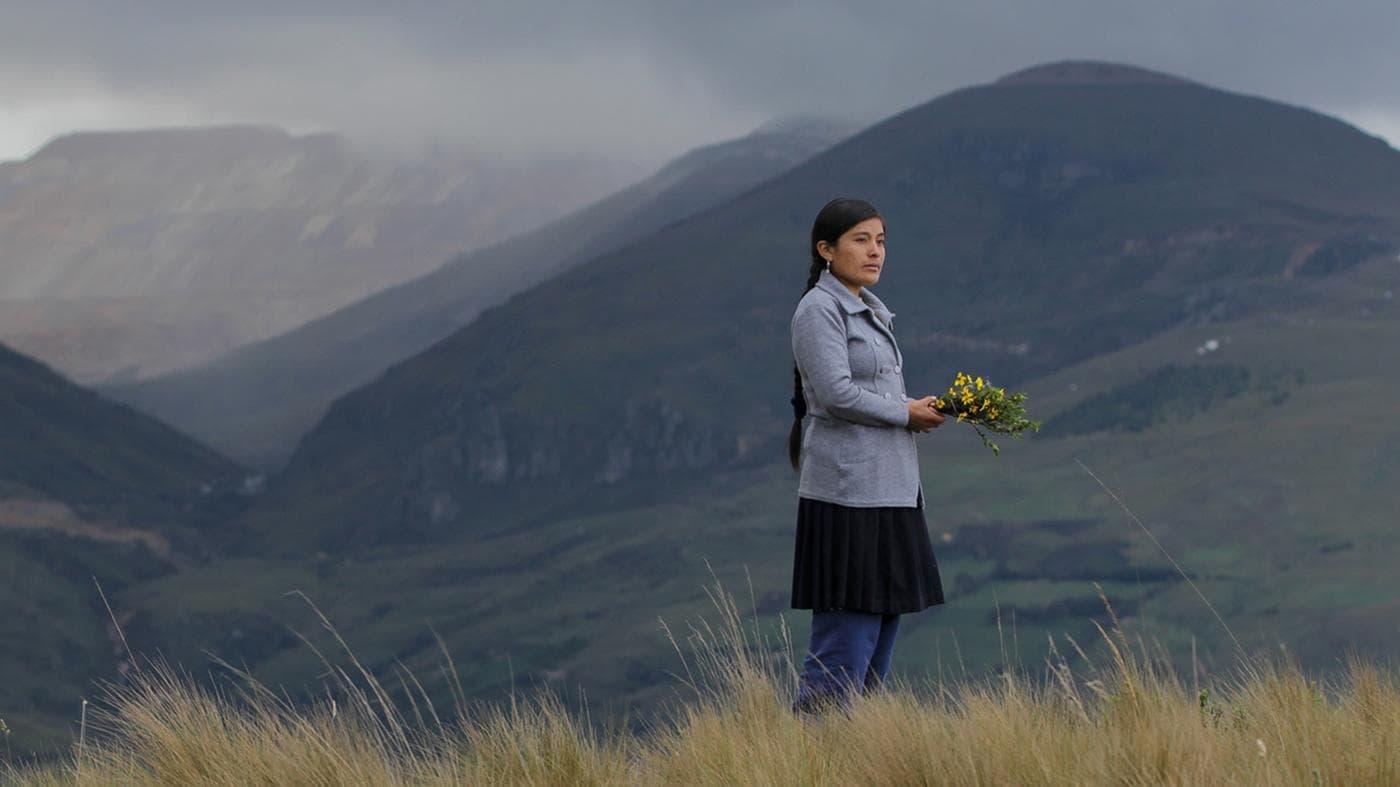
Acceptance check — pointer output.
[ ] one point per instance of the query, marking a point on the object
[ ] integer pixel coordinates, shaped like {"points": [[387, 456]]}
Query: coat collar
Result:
{"points": [[867, 300]]}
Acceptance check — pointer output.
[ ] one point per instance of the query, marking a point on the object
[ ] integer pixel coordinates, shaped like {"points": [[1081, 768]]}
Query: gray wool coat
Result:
{"points": [[857, 449]]}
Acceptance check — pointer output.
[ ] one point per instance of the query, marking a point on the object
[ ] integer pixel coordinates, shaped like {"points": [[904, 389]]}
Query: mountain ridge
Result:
{"points": [[1089, 72], [280, 387], [128, 253], [1105, 196]]}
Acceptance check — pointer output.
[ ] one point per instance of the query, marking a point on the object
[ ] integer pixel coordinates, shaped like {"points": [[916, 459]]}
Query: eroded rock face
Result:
{"points": [[656, 437], [651, 436], [127, 254], [482, 455]]}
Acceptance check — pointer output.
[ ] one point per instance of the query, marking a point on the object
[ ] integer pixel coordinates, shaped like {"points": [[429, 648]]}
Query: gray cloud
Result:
{"points": [[637, 78]]}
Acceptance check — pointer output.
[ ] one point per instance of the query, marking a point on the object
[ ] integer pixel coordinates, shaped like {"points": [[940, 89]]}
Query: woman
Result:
{"points": [[863, 555]]}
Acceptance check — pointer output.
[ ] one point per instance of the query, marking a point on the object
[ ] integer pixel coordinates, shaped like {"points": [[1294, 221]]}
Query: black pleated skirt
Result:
{"points": [[863, 559]]}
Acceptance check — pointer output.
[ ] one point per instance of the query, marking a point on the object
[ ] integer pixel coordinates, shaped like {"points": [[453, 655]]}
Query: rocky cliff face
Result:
{"points": [[650, 437], [480, 453], [131, 253]]}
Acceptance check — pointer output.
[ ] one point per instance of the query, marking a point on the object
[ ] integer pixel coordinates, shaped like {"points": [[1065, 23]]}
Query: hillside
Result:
{"points": [[1196, 287], [1190, 283], [125, 254], [91, 493], [255, 403], [1031, 226], [1279, 512]]}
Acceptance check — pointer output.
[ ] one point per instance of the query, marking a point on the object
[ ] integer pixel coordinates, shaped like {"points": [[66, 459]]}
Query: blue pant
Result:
{"points": [[850, 652]]}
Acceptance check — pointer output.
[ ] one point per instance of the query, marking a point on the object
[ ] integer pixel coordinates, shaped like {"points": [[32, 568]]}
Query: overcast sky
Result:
{"points": [[647, 79]]}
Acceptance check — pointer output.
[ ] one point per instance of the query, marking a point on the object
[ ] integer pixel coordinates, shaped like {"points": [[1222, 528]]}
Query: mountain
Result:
{"points": [[129, 253], [1196, 287], [92, 495], [1033, 223], [256, 402]]}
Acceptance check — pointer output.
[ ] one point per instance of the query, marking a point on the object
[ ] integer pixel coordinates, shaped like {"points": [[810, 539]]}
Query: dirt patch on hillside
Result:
{"points": [[30, 514]]}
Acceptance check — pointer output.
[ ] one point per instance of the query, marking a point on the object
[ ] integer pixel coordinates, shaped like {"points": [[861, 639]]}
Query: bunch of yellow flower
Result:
{"points": [[983, 405]]}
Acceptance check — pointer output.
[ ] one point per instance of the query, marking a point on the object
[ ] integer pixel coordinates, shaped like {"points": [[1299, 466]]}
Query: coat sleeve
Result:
{"points": [[819, 346]]}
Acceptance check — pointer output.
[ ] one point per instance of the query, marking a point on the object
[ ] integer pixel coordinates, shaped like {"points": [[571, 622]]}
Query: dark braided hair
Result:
{"points": [[831, 223]]}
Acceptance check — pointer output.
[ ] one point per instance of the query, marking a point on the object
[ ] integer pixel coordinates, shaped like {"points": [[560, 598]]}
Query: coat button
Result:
{"points": [[887, 395], [896, 367]]}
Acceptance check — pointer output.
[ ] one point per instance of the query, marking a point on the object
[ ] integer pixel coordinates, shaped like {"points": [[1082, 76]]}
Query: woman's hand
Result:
{"points": [[922, 416]]}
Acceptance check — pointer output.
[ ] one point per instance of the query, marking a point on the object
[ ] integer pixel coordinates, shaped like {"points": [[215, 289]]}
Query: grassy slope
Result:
{"points": [[1279, 511], [62, 441], [107, 463], [1130, 720], [55, 627]]}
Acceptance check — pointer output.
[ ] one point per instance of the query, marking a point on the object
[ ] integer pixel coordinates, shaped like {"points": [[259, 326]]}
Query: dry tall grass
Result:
{"points": [[1129, 720]]}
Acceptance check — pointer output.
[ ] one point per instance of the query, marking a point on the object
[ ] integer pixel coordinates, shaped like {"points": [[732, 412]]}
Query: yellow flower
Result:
{"points": [[979, 383]]}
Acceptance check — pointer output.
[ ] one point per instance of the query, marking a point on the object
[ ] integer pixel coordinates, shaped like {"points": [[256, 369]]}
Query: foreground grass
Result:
{"points": [[1129, 720]]}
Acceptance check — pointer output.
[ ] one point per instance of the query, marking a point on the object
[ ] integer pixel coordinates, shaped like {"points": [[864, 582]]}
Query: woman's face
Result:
{"points": [[859, 254]]}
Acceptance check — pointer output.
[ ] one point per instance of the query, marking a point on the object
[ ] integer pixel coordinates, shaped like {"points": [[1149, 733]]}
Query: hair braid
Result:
{"points": [[799, 401]]}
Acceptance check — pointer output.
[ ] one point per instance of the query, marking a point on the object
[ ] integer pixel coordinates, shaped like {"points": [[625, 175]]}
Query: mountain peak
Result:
{"points": [[806, 124], [1088, 72], [162, 140]]}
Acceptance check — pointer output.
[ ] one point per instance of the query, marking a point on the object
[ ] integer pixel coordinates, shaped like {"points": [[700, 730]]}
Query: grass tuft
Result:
{"points": [[1129, 719]]}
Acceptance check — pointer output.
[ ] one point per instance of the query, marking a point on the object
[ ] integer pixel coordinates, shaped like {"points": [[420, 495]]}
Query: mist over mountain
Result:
{"points": [[256, 402], [129, 253]]}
